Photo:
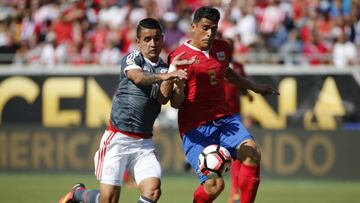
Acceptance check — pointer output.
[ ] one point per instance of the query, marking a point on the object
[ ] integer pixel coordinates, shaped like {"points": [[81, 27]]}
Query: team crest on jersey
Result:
{"points": [[220, 55], [197, 62], [130, 59]]}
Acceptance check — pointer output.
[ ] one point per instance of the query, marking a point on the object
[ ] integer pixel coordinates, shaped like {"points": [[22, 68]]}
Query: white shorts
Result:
{"points": [[119, 152]]}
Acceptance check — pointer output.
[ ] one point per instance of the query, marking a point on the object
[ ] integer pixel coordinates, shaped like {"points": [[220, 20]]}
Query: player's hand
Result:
{"points": [[181, 62], [264, 89], [179, 84], [176, 75], [247, 94]]}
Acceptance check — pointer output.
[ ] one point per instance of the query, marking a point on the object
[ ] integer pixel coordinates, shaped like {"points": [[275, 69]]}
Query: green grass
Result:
{"points": [[47, 188]]}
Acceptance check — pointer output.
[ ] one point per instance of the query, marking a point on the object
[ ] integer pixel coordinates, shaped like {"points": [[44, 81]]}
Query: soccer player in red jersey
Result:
{"points": [[205, 117], [232, 97]]}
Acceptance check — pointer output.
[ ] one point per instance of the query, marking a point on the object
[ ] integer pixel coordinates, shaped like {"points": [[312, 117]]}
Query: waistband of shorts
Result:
{"points": [[112, 128]]}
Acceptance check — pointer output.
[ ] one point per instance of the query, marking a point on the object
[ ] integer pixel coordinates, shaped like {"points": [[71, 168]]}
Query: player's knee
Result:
{"points": [[150, 188], [214, 187], [249, 152], [108, 198], [155, 194], [109, 193], [152, 194]]}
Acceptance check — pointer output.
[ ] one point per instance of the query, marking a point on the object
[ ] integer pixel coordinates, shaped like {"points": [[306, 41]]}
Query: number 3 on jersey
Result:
{"points": [[212, 74]]}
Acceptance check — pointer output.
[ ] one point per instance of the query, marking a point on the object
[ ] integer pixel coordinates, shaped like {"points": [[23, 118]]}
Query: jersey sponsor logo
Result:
{"points": [[130, 59], [220, 55]]}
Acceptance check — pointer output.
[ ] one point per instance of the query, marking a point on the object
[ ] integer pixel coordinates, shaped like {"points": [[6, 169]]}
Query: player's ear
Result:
{"points": [[193, 26], [137, 41]]}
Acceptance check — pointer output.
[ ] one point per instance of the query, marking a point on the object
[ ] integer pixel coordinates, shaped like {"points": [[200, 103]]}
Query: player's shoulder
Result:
{"points": [[132, 58], [175, 52], [220, 43], [178, 50], [222, 47]]}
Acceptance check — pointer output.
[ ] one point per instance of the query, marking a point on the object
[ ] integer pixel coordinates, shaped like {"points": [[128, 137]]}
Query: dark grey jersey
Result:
{"points": [[135, 108]]}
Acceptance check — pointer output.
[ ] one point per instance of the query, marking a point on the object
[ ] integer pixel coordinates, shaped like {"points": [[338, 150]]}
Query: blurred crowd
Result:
{"points": [[290, 32]]}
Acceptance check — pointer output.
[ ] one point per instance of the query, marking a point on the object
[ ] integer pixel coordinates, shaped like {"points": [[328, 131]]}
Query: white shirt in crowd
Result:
{"points": [[344, 54]]}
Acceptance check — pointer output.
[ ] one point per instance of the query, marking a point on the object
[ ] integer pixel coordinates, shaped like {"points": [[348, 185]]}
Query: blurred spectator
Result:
{"points": [[63, 29], [99, 36], [246, 26], [271, 26], [48, 57], [316, 50], [110, 55], [171, 31], [87, 52], [112, 15], [21, 56], [344, 52], [324, 25], [291, 49]]}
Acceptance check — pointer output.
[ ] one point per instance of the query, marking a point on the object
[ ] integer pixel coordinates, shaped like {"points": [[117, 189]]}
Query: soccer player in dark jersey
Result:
{"points": [[204, 117], [145, 83]]}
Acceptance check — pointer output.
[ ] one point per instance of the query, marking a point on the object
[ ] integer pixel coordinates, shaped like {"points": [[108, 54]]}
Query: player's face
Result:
{"points": [[204, 33], [150, 43]]}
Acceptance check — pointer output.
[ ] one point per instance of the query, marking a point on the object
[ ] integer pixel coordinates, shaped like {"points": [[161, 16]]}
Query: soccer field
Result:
{"points": [[47, 188]]}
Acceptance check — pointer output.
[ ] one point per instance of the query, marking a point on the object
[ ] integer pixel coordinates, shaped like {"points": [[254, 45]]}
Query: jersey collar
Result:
{"points": [[206, 52], [152, 63]]}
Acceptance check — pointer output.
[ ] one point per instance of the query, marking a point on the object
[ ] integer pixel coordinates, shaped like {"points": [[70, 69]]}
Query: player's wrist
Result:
{"points": [[172, 68]]}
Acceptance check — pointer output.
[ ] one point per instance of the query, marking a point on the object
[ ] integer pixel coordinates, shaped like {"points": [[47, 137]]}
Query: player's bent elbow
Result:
{"points": [[137, 81], [175, 105], [162, 101]]}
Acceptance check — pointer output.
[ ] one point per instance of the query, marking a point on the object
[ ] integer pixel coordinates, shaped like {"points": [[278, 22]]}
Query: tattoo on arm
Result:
{"points": [[150, 78]]}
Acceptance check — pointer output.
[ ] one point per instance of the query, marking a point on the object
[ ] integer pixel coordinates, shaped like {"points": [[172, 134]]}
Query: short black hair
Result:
{"points": [[207, 12], [149, 23]]}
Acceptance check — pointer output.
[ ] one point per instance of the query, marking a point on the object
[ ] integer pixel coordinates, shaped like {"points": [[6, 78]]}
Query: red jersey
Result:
{"points": [[232, 96], [204, 88]]}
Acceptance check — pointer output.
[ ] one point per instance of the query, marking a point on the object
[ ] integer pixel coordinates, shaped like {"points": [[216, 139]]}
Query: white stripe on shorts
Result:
{"points": [[101, 155]]}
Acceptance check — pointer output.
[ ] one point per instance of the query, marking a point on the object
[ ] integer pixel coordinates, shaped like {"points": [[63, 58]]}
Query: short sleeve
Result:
{"points": [[131, 61]]}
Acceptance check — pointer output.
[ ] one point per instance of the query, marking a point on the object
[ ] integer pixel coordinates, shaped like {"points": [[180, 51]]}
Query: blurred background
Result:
{"points": [[59, 68]]}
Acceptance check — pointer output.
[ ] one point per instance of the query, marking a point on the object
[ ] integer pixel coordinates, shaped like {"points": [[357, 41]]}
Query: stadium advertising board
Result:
{"points": [[53, 122], [310, 101], [285, 153]]}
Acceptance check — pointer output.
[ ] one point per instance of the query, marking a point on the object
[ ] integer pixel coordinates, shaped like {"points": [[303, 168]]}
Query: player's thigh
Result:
{"points": [[145, 163], [110, 160], [109, 193], [233, 134], [193, 148]]}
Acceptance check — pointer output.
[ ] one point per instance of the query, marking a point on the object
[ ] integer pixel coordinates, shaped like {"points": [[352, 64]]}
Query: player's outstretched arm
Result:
{"points": [[139, 77], [178, 94], [167, 87], [244, 83]]}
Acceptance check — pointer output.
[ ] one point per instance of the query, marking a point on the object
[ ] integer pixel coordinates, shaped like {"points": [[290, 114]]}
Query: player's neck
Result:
{"points": [[153, 61], [197, 46]]}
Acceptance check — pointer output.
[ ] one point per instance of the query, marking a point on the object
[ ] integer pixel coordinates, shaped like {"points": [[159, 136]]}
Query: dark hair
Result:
{"points": [[207, 12], [149, 23]]}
